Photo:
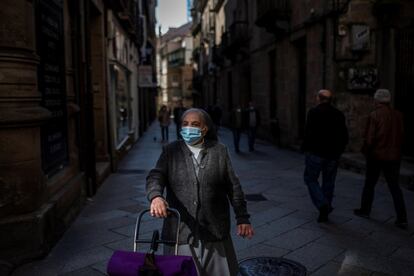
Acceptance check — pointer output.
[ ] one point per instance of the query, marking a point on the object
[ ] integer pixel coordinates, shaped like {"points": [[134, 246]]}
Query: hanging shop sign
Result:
{"points": [[51, 79], [360, 37], [146, 77]]}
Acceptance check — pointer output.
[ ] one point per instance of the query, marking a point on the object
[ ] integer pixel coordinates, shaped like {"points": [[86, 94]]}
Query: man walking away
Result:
{"points": [[252, 122], [382, 149], [237, 126], [326, 136]]}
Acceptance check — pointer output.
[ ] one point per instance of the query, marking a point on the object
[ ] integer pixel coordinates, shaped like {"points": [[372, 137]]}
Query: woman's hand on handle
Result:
{"points": [[245, 231], [159, 207]]}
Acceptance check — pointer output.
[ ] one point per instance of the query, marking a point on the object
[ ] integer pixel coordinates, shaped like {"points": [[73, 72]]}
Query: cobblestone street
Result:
{"points": [[284, 220]]}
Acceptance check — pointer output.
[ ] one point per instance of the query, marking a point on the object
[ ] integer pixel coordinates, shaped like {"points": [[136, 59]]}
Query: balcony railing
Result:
{"points": [[238, 33], [176, 58], [273, 15], [236, 39]]}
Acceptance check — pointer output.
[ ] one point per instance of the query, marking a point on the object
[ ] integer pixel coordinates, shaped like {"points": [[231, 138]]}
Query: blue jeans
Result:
{"points": [[236, 138], [251, 137], [320, 195]]}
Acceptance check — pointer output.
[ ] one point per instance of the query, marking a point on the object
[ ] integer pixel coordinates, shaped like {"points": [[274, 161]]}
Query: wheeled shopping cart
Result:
{"points": [[133, 263]]}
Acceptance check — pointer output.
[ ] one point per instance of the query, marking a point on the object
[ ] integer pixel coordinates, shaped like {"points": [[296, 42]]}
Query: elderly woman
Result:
{"points": [[197, 174]]}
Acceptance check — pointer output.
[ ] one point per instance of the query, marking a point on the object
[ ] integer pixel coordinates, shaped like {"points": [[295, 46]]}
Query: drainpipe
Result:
{"points": [[323, 48], [90, 131], [87, 137]]}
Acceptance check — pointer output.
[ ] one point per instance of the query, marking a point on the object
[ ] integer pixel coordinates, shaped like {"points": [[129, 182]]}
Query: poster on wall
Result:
{"points": [[362, 78], [51, 80]]}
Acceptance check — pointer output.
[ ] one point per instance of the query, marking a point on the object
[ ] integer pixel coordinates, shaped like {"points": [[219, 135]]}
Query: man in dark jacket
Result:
{"points": [[236, 121], [326, 136], [252, 121], [382, 148]]}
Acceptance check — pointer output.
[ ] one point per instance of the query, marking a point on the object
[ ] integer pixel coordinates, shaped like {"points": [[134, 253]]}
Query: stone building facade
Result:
{"points": [[279, 53], [61, 129], [175, 50]]}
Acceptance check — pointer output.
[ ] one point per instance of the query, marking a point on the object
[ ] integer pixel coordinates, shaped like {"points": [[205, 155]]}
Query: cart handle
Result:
{"points": [[138, 224]]}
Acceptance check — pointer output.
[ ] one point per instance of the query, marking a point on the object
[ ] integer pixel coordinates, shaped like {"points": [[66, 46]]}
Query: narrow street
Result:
{"points": [[284, 218]]}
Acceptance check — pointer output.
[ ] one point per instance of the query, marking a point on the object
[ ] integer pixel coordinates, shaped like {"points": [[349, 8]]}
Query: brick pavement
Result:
{"points": [[285, 223]]}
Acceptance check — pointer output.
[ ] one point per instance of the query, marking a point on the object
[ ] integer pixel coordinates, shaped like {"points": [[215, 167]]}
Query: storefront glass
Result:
{"points": [[121, 103]]}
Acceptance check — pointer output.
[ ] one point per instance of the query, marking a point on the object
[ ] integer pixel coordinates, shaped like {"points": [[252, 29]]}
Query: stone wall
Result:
{"points": [[35, 207]]}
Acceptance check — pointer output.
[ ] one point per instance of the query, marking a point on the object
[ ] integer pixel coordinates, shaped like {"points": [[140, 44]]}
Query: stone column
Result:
{"points": [[21, 177]]}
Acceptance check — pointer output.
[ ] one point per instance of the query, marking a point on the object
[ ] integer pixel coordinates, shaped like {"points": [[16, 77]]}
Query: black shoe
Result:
{"points": [[323, 218], [361, 213], [401, 224], [323, 213]]}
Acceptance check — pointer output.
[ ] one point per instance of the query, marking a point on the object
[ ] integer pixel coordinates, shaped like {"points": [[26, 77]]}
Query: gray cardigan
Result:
{"points": [[203, 199]]}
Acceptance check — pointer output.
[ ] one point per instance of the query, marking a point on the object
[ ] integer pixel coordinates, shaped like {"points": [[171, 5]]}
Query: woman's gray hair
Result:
{"points": [[382, 96], [211, 133]]}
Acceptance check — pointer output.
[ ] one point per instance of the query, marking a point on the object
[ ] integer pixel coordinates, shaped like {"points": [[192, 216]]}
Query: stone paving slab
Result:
{"points": [[86, 259], [285, 221], [261, 250], [333, 268], [88, 271], [314, 255], [294, 239]]}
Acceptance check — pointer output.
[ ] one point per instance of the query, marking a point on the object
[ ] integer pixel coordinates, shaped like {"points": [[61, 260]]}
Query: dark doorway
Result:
{"points": [[274, 122], [404, 94], [302, 84], [272, 84]]}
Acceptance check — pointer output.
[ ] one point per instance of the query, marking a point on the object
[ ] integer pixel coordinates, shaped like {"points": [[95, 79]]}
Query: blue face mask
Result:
{"points": [[191, 135]]}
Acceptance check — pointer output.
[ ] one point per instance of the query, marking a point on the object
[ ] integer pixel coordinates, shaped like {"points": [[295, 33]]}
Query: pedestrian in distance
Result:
{"points": [[382, 149], [252, 120], [164, 120], [178, 112], [326, 136], [217, 113], [200, 183], [236, 122]]}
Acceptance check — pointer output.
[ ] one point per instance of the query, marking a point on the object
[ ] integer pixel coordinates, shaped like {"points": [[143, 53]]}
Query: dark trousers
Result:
{"points": [[164, 133], [251, 136], [321, 195], [391, 171], [236, 138]]}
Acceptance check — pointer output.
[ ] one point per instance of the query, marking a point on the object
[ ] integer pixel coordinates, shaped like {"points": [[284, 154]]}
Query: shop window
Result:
{"points": [[121, 105]]}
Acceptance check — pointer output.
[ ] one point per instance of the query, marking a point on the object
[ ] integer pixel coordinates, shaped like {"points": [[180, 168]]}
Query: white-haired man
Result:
{"points": [[382, 148]]}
